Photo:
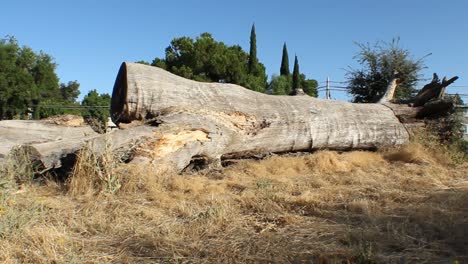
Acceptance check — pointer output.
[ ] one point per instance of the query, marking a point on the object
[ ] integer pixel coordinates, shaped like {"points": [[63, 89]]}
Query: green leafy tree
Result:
{"points": [[157, 62], [282, 85], [296, 80], [53, 107], [253, 61], [98, 112], [284, 70], [207, 60], [380, 62], [70, 91], [17, 86], [61, 105], [45, 78], [309, 85], [28, 83], [143, 62]]}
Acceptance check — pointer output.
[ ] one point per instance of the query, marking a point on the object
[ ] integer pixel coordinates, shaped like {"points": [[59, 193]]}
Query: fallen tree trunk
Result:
{"points": [[213, 120], [16, 133], [50, 155], [191, 120], [50, 145]]}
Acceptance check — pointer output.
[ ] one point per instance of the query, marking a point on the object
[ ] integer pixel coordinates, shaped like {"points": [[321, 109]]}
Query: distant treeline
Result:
{"points": [[30, 88], [207, 60]]}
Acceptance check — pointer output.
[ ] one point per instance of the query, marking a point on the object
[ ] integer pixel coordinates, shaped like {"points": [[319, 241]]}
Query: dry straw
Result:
{"points": [[404, 205]]}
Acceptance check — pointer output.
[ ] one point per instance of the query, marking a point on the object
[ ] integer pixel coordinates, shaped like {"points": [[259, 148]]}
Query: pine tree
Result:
{"points": [[296, 77], [284, 70], [253, 61]]}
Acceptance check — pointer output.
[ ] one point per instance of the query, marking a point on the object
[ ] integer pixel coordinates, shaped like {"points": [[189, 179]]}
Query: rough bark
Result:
{"points": [[49, 144], [51, 154], [431, 91], [213, 120], [16, 133], [171, 121]]}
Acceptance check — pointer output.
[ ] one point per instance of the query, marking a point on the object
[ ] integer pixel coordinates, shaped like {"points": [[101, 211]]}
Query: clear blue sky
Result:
{"points": [[89, 39]]}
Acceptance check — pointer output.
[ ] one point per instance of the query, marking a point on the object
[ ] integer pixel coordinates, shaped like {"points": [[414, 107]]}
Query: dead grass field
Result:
{"points": [[407, 205]]}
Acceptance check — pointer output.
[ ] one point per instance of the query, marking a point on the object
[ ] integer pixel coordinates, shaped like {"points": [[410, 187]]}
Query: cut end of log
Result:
{"points": [[119, 95]]}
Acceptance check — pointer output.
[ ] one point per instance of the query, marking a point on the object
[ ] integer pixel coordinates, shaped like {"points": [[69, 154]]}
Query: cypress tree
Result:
{"points": [[284, 70], [253, 51], [296, 78]]}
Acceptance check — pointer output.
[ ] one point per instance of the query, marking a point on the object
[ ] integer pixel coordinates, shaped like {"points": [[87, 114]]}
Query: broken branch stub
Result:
{"points": [[433, 90]]}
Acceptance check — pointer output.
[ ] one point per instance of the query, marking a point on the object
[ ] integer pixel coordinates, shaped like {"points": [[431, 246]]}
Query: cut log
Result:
{"points": [[49, 155], [49, 144], [15, 133], [213, 120]]}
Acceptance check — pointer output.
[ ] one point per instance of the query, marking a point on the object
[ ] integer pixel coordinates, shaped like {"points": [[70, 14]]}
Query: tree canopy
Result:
{"points": [[26, 79], [70, 91], [284, 69], [99, 115], [285, 83], [379, 64], [253, 61], [29, 84], [296, 80], [207, 60], [60, 104]]}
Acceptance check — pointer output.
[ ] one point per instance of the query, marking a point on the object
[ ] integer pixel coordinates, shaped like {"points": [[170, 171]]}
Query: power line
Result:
{"points": [[70, 106], [334, 87], [331, 82], [461, 95], [327, 87], [340, 90]]}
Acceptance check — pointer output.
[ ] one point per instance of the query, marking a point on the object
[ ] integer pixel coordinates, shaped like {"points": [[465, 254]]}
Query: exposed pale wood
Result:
{"points": [[238, 120], [390, 91]]}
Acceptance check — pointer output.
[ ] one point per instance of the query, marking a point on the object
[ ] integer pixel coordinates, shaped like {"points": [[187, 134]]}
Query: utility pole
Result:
{"points": [[327, 91]]}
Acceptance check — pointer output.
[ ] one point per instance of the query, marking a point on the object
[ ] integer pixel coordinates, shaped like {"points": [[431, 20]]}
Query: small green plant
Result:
{"points": [[443, 137], [15, 216], [364, 252], [267, 188], [17, 169], [263, 184]]}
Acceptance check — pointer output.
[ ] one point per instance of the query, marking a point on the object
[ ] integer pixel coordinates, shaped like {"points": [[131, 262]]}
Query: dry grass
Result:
{"points": [[407, 205]]}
